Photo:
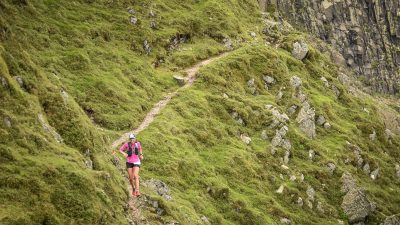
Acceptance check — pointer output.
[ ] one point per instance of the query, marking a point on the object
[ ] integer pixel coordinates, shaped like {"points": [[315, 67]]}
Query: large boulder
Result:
{"points": [[305, 119], [356, 205], [158, 186], [300, 50]]}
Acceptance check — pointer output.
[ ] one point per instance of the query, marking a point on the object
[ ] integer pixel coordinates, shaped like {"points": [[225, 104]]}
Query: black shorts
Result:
{"points": [[131, 165]]}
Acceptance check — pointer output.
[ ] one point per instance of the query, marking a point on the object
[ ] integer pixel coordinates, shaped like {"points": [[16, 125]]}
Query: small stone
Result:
{"points": [[225, 95], [279, 95], [133, 20], [250, 83], [372, 136], [4, 82], [292, 178], [375, 174], [300, 50], [152, 13], [301, 96], [7, 122], [285, 221], [366, 169], [246, 139], [284, 167], [320, 208], [264, 135], [295, 81], [292, 109], [327, 125], [336, 91], [89, 163], [269, 80], [146, 47], [310, 193], [253, 34], [180, 80], [325, 81], [321, 120], [131, 11], [227, 43], [301, 178], [311, 154], [205, 219], [64, 96], [20, 81], [397, 168], [280, 189], [286, 158], [331, 167], [153, 24], [300, 202]]}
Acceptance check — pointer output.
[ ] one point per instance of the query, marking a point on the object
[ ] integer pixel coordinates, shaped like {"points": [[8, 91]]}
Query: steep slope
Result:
{"points": [[76, 74]]}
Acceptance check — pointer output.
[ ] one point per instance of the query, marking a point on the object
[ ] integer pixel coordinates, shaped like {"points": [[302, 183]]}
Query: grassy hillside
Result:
{"points": [[75, 74]]}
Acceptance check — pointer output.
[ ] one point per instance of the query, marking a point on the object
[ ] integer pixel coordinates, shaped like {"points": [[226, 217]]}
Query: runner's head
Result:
{"points": [[132, 137]]}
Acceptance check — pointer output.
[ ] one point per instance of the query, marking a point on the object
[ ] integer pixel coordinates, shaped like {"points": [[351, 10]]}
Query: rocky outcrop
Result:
{"points": [[366, 33], [355, 203], [391, 220]]}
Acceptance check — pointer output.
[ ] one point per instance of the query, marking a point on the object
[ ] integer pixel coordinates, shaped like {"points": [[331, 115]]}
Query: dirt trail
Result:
{"points": [[189, 79], [134, 205]]}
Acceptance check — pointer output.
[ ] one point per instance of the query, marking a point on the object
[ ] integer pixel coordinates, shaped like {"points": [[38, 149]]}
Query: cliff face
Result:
{"points": [[365, 32]]}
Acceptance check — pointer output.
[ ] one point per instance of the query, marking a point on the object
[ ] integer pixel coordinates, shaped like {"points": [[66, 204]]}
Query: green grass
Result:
{"points": [[90, 50]]}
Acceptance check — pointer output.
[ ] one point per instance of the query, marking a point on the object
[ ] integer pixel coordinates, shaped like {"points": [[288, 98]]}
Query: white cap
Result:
{"points": [[132, 136]]}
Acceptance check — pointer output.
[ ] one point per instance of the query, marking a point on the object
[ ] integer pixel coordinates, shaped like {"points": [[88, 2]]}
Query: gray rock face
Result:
{"points": [[391, 220], [366, 33], [356, 205], [160, 187], [372, 136], [305, 119], [295, 81], [325, 81], [300, 50]]}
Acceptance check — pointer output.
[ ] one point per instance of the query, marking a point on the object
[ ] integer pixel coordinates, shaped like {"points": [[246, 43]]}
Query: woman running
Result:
{"points": [[132, 151]]}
